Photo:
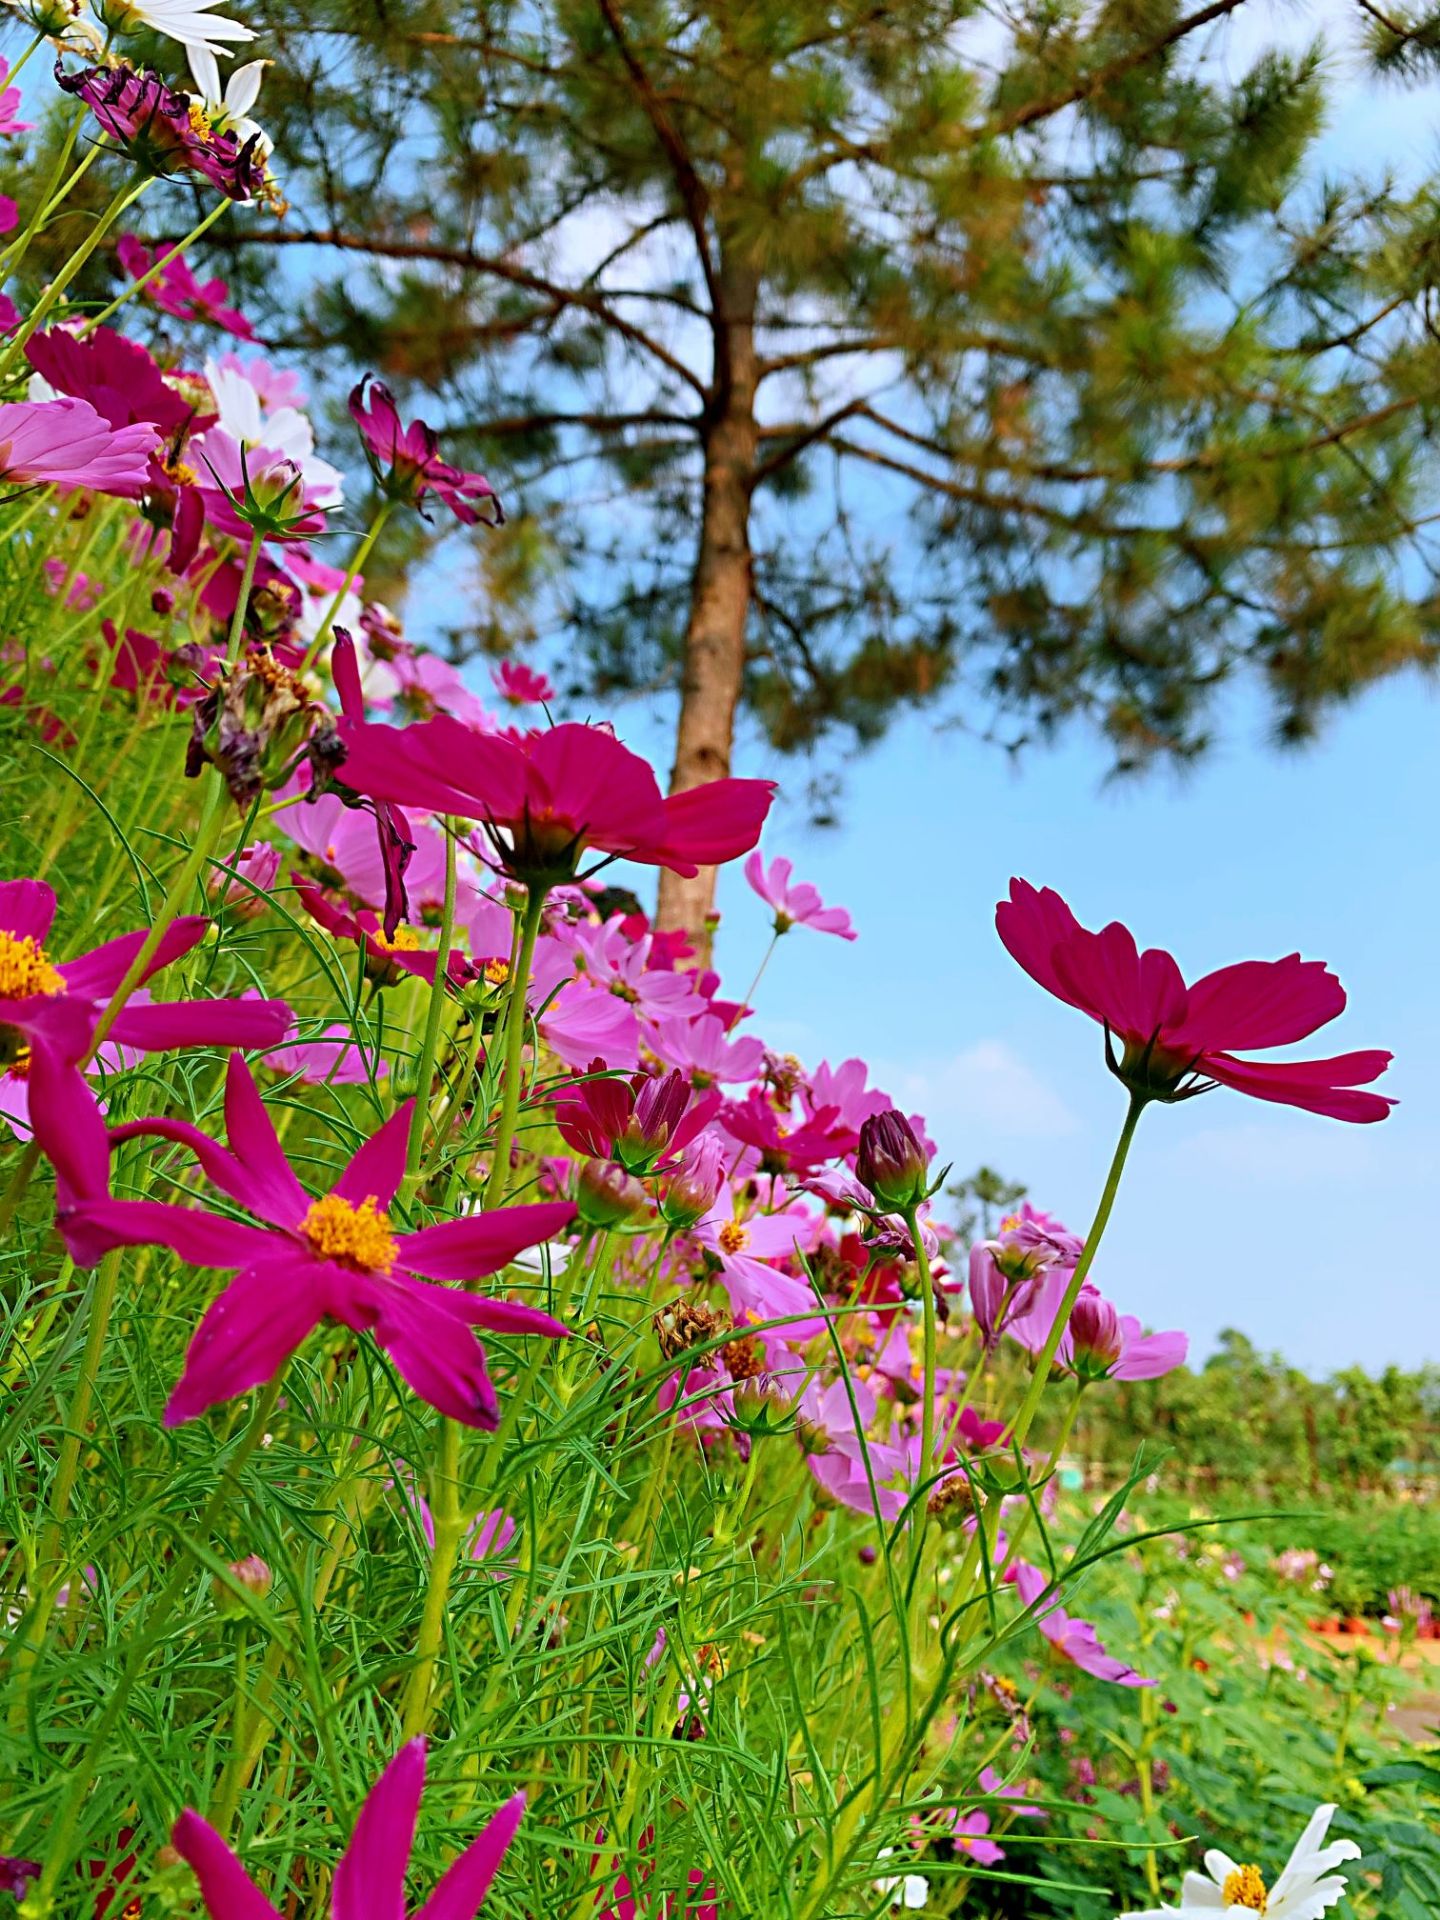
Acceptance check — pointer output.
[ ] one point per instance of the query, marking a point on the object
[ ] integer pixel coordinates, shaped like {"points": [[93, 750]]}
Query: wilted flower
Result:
{"points": [[254, 725], [406, 460]]}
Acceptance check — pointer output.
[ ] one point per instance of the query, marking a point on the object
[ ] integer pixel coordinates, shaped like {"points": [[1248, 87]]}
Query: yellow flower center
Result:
{"points": [[360, 1236], [1010, 1223], [497, 972], [733, 1237], [403, 940], [25, 972], [1245, 1888]]}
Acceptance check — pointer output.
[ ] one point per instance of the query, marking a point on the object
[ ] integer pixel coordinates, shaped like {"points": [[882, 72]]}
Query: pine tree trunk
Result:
{"points": [[713, 665]]}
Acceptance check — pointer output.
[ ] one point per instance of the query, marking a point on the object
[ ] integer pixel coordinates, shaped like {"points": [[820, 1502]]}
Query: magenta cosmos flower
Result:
{"points": [[370, 1879], [406, 460], [10, 104], [1178, 1040], [49, 1012], [1098, 1343], [546, 797], [794, 905], [334, 1258], [176, 291], [520, 685], [66, 443], [1075, 1639], [633, 1121]]}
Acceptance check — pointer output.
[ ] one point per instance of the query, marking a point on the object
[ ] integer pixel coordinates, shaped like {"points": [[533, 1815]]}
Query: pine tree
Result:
{"points": [[840, 355]]}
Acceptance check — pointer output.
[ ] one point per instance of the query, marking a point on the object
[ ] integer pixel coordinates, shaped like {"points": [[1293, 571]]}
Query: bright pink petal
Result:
{"points": [[228, 1891], [496, 1316], [443, 1361], [467, 1880], [99, 972], [277, 1193], [1032, 923], [710, 824], [205, 1239], [482, 1243], [376, 1170], [27, 909], [68, 1127], [1319, 1086], [1146, 1356], [160, 1025], [247, 1334], [345, 672], [221, 1168], [1261, 1003], [370, 1879]]}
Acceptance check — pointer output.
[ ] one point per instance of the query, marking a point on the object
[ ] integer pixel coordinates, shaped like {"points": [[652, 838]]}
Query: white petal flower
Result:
{"points": [[227, 106], [1307, 1889], [188, 21]]}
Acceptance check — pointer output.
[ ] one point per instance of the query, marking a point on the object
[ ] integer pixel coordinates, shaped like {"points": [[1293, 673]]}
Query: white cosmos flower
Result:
{"points": [[910, 1890], [1306, 1890], [188, 21], [227, 107], [284, 430]]}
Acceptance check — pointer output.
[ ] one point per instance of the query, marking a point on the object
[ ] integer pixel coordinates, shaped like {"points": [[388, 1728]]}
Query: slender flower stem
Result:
{"points": [[361, 555], [43, 306], [750, 991], [449, 1524], [1031, 1404], [927, 1402], [429, 1046], [247, 582], [41, 1900], [515, 1021], [154, 272], [19, 66]]}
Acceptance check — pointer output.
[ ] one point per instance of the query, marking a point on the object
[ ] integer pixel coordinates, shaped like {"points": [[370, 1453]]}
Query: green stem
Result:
{"points": [[927, 1401], [361, 555], [19, 66], [154, 272], [449, 1524], [516, 1018], [420, 1114], [749, 994], [41, 312], [41, 1900], [242, 604], [1040, 1379]]}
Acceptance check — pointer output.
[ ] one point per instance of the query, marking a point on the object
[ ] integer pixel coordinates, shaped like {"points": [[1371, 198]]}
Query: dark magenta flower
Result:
{"points": [[153, 124], [117, 376], [336, 1258], [823, 1135], [546, 797], [1178, 1040], [406, 460], [369, 1882], [176, 291], [49, 1011], [633, 1121]]}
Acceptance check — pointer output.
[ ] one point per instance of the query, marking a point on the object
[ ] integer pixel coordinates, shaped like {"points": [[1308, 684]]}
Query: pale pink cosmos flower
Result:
{"points": [[370, 1879], [703, 1049], [1071, 1637], [1098, 1343], [794, 905], [10, 105], [66, 443], [331, 1059], [520, 685]]}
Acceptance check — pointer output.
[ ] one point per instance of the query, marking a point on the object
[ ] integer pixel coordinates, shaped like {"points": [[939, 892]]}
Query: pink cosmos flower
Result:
{"points": [[387, 958], [330, 1060], [794, 905], [968, 1831], [522, 686], [10, 104], [703, 1050], [581, 1021], [1098, 1343], [836, 1453], [176, 291], [334, 1258], [406, 460], [621, 1895], [633, 1122], [152, 122], [744, 1251], [49, 1012], [1075, 1639], [370, 1879], [544, 798], [621, 964], [491, 1532], [66, 443], [1178, 1040], [784, 1148]]}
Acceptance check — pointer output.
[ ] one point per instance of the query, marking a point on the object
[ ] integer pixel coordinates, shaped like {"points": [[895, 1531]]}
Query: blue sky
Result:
{"points": [[1299, 1230]]}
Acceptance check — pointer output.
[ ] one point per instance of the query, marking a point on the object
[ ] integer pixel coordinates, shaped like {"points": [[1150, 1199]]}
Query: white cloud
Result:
{"points": [[986, 1089]]}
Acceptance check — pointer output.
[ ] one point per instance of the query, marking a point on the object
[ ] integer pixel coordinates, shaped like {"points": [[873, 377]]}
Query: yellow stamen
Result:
{"points": [[360, 1236], [1010, 1223], [497, 972], [1245, 1888], [733, 1237], [403, 940], [25, 971]]}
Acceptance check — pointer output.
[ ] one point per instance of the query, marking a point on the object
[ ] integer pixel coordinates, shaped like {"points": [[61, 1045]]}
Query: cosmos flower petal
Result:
{"points": [[1319, 1086], [94, 1226], [443, 1362], [1262, 1003], [496, 1316], [275, 1193], [467, 1880], [98, 973], [248, 1332], [27, 909], [370, 1879], [378, 1167], [161, 1025], [68, 1127], [482, 1243], [226, 1887]]}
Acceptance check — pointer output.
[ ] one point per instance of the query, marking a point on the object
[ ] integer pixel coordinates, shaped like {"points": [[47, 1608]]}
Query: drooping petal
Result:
{"points": [[370, 1879], [94, 1226], [481, 1243], [68, 1126], [274, 1191], [1319, 1086], [377, 1168], [443, 1361], [225, 1886], [1146, 1356], [466, 1881], [496, 1316], [246, 1335]]}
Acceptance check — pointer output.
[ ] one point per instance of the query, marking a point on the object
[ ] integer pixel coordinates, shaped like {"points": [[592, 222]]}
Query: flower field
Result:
{"points": [[483, 1428]]}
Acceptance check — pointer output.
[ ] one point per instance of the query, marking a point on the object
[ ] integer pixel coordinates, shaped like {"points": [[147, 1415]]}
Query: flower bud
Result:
{"points": [[250, 1573], [760, 1409], [1093, 1335], [891, 1162], [693, 1189], [606, 1196]]}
